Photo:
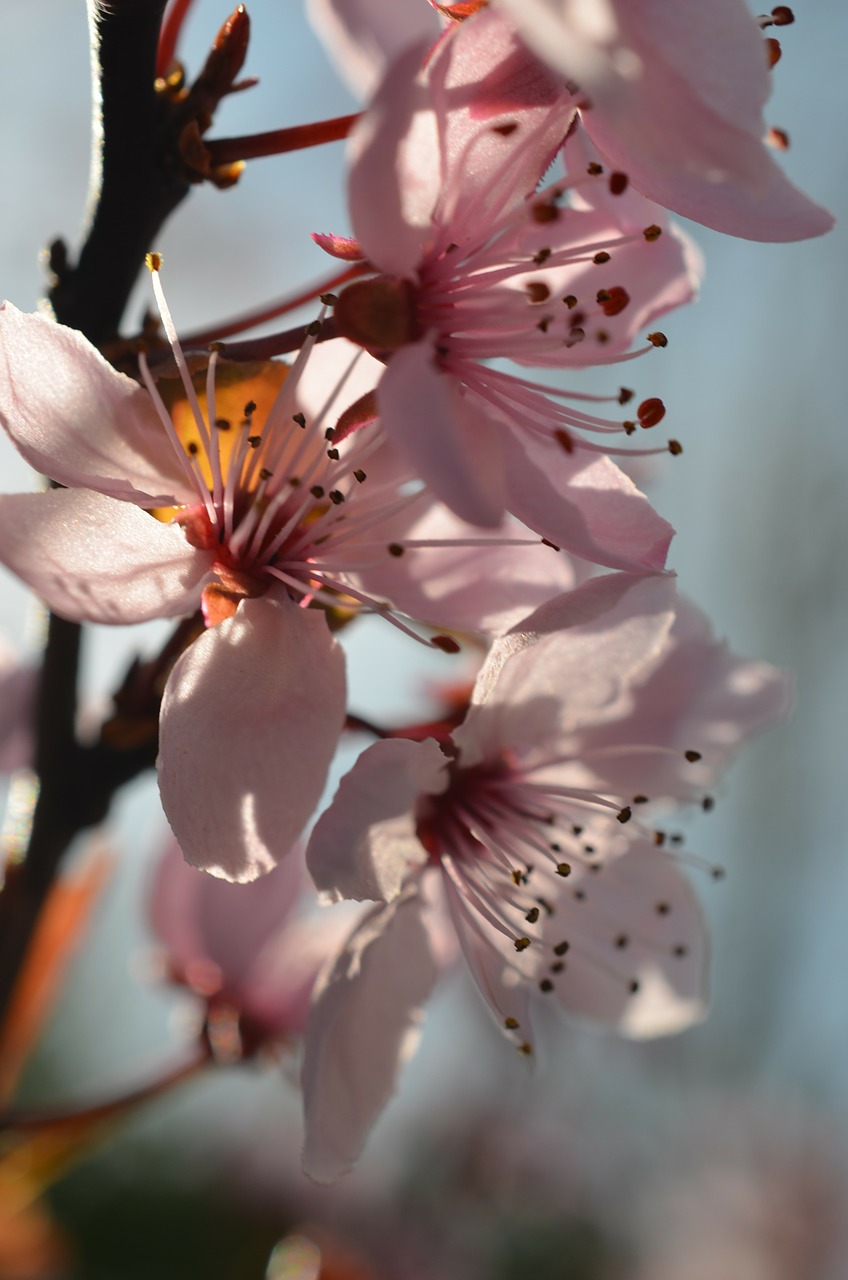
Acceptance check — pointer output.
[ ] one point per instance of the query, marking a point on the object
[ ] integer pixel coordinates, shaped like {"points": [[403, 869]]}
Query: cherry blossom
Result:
{"points": [[250, 952], [258, 516], [536, 825], [476, 270], [671, 93]]}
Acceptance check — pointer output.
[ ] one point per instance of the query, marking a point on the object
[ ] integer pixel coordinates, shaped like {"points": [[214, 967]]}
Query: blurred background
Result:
{"points": [[722, 1152]]}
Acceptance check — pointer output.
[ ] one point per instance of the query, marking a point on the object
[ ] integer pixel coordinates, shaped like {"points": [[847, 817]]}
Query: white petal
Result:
{"points": [[363, 1026], [567, 664], [76, 419], [94, 559], [250, 720], [362, 846]]}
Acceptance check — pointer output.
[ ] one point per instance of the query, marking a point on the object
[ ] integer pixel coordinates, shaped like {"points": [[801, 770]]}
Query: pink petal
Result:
{"points": [[444, 435], [250, 721], [467, 588], [643, 898], [676, 92], [279, 993], [94, 559], [698, 696], [583, 502], [363, 36], [566, 665], [77, 420], [237, 921], [391, 217], [363, 1026], [364, 844]]}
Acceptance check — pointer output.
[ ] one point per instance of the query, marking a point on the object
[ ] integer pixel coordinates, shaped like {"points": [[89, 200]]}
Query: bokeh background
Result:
{"points": [[722, 1152]]}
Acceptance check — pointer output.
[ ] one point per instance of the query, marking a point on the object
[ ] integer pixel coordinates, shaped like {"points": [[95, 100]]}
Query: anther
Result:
{"points": [[328, 299], [633, 986], [658, 339], [504, 130], [563, 869], [625, 395], [545, 212], [223, 424], [778, 138], [521, 944], [680, 951], [532, 915], [299, 419], [193, 447], [254, 441], [594, 168], [359, 475], [651, 233], [542, 256], [517, 877], [625, 814], [153, 261], [546, 542], [265, 474], [600, 258], [561, 948], [447, 644], [622, 941], [546, 985], [537, 291], [662, 908], [618, 183], [580, 895], [558, 966], [675, 448], [564, 439], [395, 549], [576, 830], [313, 329], [526, 1049], [317, 491], [613, 301], [650, 412], [570, 301], [659, 839], [640, 799], [718, 873], [773, 52], [692, 756], [707, 804], [782, 15], [511, 1024], [333, 455], [250, 409], [336, 497]]}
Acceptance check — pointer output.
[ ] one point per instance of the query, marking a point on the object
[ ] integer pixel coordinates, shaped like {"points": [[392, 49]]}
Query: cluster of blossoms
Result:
{"points": [[510, 182]]}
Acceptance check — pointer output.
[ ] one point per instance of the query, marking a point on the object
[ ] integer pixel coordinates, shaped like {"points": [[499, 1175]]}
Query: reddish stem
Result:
{"points": [[277, 344], [253, 318], [50, 1118], [224, 151], [170, 34]]}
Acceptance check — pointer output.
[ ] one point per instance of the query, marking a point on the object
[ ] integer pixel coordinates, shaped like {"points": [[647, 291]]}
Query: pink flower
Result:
{"points": [[476, 271], [533, 826], [267, 518], [672, 92], [249, 951]]}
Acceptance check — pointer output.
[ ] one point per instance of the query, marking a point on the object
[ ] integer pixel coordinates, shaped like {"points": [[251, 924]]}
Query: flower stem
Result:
{"points": [[277, 141]]}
